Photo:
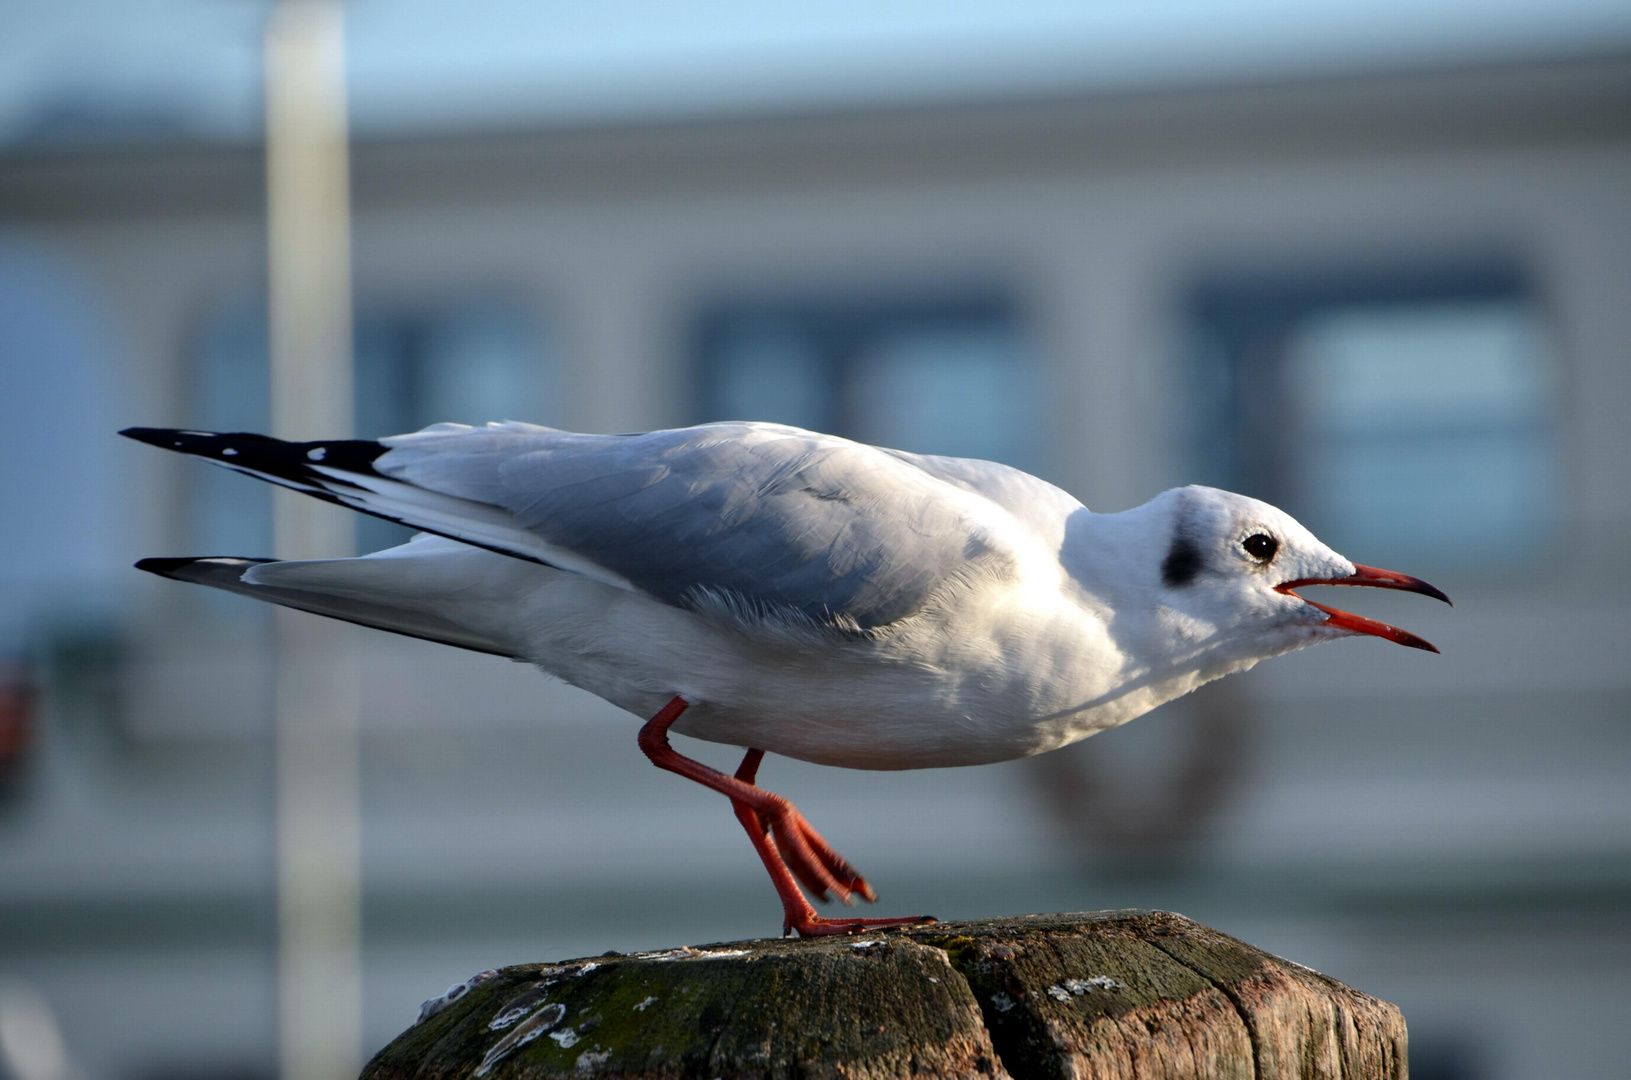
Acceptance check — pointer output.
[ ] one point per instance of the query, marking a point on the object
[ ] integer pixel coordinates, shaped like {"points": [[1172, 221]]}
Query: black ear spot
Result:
{"points": [[1260, 546], [1183, 563]]}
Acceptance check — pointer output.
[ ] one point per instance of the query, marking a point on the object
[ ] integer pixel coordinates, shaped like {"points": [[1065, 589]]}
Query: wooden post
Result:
{"points": [[1120, 995]]}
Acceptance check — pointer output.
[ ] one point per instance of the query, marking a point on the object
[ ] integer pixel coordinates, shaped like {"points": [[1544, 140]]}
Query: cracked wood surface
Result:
{"points": [[1120, 995]]}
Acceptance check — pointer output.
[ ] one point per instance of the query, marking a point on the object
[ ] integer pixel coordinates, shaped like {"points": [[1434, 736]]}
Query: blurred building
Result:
{"points": [[1394, 303]]}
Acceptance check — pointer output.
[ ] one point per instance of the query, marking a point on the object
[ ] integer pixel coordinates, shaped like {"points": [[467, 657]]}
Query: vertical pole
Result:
{"points": [[316, 690]]}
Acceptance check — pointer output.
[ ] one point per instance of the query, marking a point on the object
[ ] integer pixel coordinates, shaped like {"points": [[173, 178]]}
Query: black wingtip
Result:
{"points": [[291, 463], [161, 567], [171, 567], [203, 443], [168, 438]]}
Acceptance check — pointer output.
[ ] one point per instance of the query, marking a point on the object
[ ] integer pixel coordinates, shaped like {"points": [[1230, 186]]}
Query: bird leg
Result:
{"points": [[788, 845], [797, 914]]}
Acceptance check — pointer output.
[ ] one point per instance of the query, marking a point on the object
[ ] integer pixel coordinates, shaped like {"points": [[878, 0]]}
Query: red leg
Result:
{"points": [[797, 914], [797, 853]]}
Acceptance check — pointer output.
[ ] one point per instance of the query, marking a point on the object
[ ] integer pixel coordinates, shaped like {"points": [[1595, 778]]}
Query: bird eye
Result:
{"points": [[1260, 546]]}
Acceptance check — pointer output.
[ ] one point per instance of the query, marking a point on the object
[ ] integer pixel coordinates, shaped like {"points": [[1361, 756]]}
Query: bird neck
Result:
{"points": [[1115, 558]]}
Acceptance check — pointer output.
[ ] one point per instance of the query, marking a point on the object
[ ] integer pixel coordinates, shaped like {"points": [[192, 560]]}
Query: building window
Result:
{"points": [[465, 361], [1401, 417], [954, 375]]}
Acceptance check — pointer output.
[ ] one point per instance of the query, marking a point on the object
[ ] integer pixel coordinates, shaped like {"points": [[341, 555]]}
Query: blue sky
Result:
{"points": [[192, 66]]}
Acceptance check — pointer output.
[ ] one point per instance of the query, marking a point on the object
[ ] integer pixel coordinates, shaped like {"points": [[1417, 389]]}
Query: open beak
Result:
{"points": [[1376, 579]]}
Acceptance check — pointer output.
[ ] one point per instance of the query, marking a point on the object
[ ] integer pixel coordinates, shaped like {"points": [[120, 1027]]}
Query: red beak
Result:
{"points": [[1377, 579]]}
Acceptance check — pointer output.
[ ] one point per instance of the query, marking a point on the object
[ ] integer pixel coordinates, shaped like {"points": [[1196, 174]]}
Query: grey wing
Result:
{"points": [[1040, 507], [766, 520]]}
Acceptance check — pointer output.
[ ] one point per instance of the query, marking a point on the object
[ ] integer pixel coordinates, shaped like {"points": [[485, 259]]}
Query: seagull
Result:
{"points": [[795, 593]]}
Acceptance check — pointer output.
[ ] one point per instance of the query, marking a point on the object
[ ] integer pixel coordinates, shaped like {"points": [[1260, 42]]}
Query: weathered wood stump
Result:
{"points": [[1041, 997]]}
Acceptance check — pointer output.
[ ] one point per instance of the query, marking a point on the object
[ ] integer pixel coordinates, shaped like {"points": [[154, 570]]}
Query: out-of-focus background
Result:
{"points": [[1371, 262]]}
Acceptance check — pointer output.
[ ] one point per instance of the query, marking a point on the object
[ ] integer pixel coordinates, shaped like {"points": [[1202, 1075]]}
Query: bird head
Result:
{"points": [[1231, 565]]}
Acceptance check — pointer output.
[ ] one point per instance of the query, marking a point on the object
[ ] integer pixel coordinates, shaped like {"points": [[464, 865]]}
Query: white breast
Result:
{"points": [[997, 669]]}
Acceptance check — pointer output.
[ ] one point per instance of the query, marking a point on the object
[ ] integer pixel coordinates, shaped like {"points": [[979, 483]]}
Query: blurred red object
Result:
{"points": [[16, 718]]}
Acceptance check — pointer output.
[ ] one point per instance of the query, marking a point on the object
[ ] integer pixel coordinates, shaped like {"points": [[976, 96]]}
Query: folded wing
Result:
{"points": [[757, 520]]}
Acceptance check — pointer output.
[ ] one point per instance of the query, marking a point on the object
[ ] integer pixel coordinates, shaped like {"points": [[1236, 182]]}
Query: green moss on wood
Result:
{"points": [[1116, 994]]}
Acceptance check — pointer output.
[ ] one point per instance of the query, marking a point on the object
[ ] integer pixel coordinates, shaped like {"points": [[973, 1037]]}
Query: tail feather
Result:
{"points": [[357, 591]]}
